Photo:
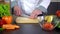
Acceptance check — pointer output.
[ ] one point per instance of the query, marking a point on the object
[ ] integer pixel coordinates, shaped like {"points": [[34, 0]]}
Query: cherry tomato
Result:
{"points": [[48, 26]]}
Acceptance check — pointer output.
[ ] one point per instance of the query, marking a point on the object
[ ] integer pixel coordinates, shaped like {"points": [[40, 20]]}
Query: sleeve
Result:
{"points": [[43, 5], [15, 3]]}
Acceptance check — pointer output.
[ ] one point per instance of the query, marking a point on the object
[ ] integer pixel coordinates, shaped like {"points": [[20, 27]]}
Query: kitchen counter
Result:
{"points": [[29, 29]]}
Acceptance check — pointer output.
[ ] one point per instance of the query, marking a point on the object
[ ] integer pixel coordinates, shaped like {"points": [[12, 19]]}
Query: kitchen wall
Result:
{"points": [[55, 0], [54, 6]]}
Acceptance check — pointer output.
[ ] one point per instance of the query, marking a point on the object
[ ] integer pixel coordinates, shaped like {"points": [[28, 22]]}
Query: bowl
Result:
{"points": [[48, 22]]}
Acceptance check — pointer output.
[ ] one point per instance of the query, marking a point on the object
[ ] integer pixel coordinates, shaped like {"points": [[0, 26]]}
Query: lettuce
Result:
{"points": [[4, 10]]}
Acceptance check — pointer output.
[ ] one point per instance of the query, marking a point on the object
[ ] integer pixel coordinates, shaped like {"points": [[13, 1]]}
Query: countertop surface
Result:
{"points": [[29, 29]]}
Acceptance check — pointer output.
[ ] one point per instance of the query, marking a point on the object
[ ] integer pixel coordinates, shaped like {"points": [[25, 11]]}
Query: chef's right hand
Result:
{"points": [[17, 11]]}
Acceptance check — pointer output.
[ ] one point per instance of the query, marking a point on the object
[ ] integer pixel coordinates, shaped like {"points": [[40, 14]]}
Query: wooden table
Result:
{"points": [[29, 29]]}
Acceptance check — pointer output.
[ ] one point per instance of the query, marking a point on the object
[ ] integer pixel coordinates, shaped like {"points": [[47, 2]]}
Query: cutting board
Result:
{"points": [[26, 20]]}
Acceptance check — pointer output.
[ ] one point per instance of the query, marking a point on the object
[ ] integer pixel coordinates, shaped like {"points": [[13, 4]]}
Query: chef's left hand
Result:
{"points": [[35, 13]]}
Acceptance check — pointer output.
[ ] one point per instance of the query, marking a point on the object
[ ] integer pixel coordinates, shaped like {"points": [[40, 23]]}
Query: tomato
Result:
{"points": [[58, 13], [48, 26], [2, 22], [8, 19]]}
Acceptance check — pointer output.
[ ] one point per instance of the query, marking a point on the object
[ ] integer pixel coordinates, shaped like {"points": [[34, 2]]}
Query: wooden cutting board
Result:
{"points": [[26, 20]]}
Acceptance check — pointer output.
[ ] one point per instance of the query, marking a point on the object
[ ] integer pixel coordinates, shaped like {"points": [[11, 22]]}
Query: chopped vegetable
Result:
{"points": [[48, 26], [49, 18], [56, 21], [58, 25]]}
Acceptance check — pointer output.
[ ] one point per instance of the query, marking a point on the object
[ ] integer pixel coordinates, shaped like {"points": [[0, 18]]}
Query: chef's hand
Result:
{"points": [[17, 11], [35, 13]]}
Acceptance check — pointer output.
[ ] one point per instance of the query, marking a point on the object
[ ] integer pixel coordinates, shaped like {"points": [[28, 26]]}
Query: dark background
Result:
{"points": [[53, 7]]}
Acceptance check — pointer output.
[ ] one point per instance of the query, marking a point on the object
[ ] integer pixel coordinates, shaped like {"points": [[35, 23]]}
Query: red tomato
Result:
{"points": [[2, 22], [47, 26], [58, 13], [8, 19]]}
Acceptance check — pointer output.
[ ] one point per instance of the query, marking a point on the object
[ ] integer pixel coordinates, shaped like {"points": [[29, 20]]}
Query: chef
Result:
{"points": [[30, 8]]}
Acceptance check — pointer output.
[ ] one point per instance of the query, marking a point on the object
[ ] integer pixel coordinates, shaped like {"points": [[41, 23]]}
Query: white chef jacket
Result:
{"points": [[29, 5]]}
